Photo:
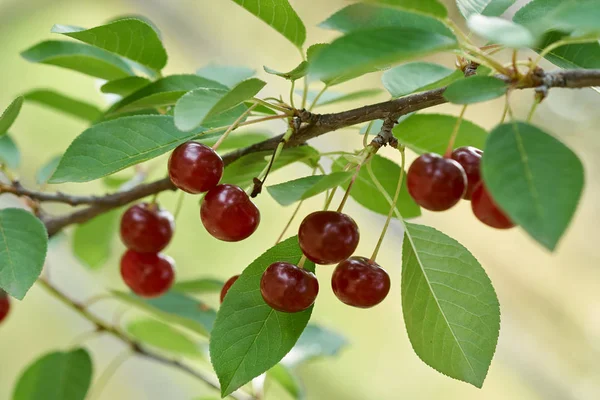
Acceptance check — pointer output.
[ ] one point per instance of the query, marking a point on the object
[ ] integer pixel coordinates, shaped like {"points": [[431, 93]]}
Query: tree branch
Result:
{"points": [[313, 125]]}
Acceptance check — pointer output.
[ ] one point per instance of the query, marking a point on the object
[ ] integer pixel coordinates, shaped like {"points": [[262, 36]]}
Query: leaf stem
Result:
{"points": [[272, 106], [454, 134], [317, 97], [233, 126], [305, 92], [536, 103], [366, 135], [347, 194], [293, 86], [109, 372], [179, 205], [558, 44]]}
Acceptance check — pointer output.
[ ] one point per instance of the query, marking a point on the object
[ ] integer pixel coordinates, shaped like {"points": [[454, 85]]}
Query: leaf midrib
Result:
{"points": [[10, 260]]}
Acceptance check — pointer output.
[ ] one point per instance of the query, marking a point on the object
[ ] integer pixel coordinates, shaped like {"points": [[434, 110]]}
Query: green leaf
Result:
{"points": [[250, 337], [56, 376], [280, 16], [125, 86], [450, 309], [288, 380], [199, 286], [580, 16], [243, 170], [581, 55], [175, 308], [293, 75], [532, 13], [534, 178], [228, 75], [23, 247], [475, 89], [361, 16], [288, 193], [316, 341], [9, 115], [495, 8], [195, 107], [46, 171], [432, 7], [113, 145], [430, 133], [68, 105], [501, 31], [490, 8], [9, 152], [366, 193], [162, 336], [330, 97], [131, 38], [359, 52], [79, 57], [414, 77], [92, 241]]}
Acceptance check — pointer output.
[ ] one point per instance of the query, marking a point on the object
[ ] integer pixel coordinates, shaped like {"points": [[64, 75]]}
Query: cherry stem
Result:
{"points": [[179, 205], [505, 111], [95, 299], [272, 106], [343, 202], [302, 261], [233, 126], [109, 372], [536, 103], [292, 94], [366, 135], [154, 199], [305, 92], [317, 97], [392, 206], [383, 192], [454, 134]]}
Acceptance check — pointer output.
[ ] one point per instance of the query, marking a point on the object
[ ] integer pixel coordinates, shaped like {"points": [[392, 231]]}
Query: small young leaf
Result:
{"points": [[10, 155], [162, 336], [303, 188], [451, 311], [293, 75], [432, 7], [365, 191], [330, 97], [56, 376], [358, 52], [9, 115], [125, 86], [288, 380], [250, 337], [68, 105], [316, 341], [228, 75], [131, 38], [199, 286], [490, 8], [46, 171], [23, 247], [430, 133], [501, 31], [175, 308], [92, 241], [475, 89], [280, 16], [534, 178], [79, 57], [414, 77]]}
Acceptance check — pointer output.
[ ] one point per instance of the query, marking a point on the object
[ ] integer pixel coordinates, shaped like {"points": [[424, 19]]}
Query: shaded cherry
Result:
{"points": [[487, 211], [288, 288], [436, 183], [195, 168], [360, 282], [470, 159], [146, 228], [227, 286], [4, 305], [228, 213], [328, 237], [147, 274]]}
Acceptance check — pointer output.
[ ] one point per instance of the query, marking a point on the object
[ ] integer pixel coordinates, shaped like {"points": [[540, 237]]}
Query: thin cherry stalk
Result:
{"points": [[454, 133], [233, 126]]}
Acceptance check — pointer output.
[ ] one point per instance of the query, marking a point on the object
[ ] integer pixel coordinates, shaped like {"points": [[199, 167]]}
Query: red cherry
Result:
{"points": [[487, 211], [146, 228], [288, 288], [470, 159], [228, 285], [4, 305], [195, 168], [436, 183], [228, 213], [360, 282], [147, 274], [328, 237]]}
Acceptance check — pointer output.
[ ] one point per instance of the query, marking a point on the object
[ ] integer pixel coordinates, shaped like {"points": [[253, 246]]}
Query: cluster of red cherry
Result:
{"points": [[437, 183]]}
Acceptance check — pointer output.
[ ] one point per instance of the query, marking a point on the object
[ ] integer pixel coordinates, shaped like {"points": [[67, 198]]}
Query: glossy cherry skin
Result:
{"points": [[328, 237], [146, 228], [487, 211], [4, 305], [147, 274], [360, 282], [227, 286], [195, 168], [470, 159], [436, 183], [288, 288], [228, 213]]}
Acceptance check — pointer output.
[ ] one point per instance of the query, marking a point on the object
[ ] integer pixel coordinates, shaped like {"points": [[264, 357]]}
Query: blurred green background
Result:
{"points": [[549, 340]]}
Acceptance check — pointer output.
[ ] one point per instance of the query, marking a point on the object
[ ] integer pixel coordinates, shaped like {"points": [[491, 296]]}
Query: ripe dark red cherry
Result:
{"points": [[228, 213], [228, 285], [147, 274], [487, 211], [470, 159], [195, 168], [4, 305], [360, 282], [146, 228], [288, 288], [436, 183], [328, 237]]}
